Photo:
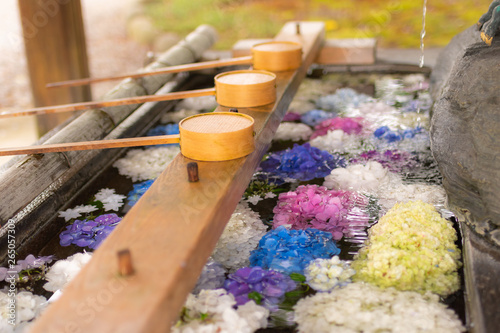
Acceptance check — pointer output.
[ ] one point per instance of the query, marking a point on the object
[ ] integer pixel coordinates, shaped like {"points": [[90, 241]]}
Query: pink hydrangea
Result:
{"points": [[348, 125], [313, 206]]}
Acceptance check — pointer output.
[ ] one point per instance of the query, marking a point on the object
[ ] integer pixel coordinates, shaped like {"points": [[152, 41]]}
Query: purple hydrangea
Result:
{"points": [[395, 160], [30, 262], [313, 206], [291, 116], [89, 233], [290, 251], [302, 162], [270, 285], [139, 189]]}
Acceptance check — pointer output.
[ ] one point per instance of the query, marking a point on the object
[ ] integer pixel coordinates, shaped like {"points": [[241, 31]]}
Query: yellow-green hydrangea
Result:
{"points": [[411, 248]]}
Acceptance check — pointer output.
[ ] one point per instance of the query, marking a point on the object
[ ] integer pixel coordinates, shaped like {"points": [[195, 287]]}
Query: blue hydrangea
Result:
{"points": [[168, 129], [385, 133], [302, 162], [290, 251], [315, 117], [89, 233], [139, 189], [342, 100]]}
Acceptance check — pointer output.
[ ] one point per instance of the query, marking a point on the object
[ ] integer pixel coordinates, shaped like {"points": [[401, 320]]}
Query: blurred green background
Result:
{"points": [[396, 24]]}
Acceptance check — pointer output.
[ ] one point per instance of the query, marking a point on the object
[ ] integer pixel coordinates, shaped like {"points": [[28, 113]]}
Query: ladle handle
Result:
{"points": [[171, 69], [88, 145], [114, 102]]}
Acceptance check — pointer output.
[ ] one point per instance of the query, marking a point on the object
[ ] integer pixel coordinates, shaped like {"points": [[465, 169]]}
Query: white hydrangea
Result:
{"points": [[254, 199], [110, 200], [28, 307], [212, 312], [293, 131], [64, 271], [337, 141], [398, 192], [376, 114], [413, 79], [240, 237], [387, 186], [359, 177], [360, 307], [144, 164], [327, 274]]}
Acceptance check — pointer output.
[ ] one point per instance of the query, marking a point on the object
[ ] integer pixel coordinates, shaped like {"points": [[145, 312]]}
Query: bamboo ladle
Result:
{"points": [[244, 88], [217, 136], [276, 56]]}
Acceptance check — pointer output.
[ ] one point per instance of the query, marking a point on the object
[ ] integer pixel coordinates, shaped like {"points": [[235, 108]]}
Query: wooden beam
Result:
{"points": [[54, 40], [172, 230]]}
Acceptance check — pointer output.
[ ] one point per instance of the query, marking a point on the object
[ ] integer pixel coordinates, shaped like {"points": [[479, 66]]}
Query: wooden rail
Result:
{"points": [[172, 230]]}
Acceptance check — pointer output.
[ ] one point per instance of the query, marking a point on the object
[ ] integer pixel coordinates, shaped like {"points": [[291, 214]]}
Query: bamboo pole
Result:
{"points": [[171, 69], [113, 102], [88, 145]]}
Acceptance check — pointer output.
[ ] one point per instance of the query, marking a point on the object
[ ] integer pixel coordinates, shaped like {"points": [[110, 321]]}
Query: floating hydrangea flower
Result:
{"points": [[411, 248], [293, 132], [262, 186], [144, 164], [29, 263], [395, 191], [240, 236], [313, 206], [65, 270], [292, 116], [315, 117], [268, 286], [327, 274], [168, 129], [214, 311], [360, 307], [109, 199], [339, 142], [360, 178], [347, 125], [394, 160], [27, 307], [385, 133], [290, 251], [89, 233], [343, 99], [212, 276], [139, 189], [301, 162], [423, 104]]}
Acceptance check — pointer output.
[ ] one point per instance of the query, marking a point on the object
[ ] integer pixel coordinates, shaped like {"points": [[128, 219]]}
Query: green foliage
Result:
{"points": [[257, 297], [394, 23]]}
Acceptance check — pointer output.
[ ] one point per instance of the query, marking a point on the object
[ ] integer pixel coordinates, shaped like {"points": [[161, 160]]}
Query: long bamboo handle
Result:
{"points": [[88, 145], [166, 70], [113, 102]]}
